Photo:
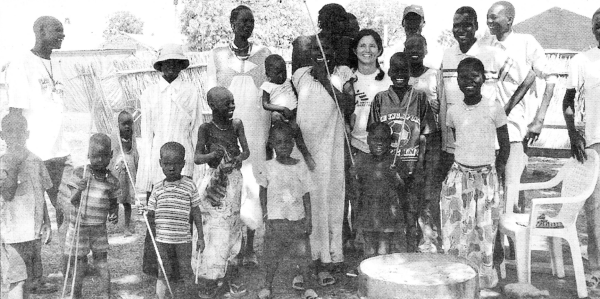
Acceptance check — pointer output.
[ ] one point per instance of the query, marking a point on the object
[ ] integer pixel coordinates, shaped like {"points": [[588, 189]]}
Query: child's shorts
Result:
{"points": [[21, 261], [91, 237], [172, 254], [287, 238]]}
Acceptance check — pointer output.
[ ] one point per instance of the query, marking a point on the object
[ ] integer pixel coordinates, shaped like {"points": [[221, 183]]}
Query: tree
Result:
{"points": [[375, 14], [277, 24], [446, 39], [123, 21]]}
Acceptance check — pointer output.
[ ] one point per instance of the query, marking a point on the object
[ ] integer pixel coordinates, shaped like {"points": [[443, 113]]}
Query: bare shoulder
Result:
{"points": [[237, 123]]}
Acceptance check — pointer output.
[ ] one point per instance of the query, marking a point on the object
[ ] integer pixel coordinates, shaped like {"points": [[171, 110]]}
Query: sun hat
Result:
{"points": [[418, 9], [170, 51]]}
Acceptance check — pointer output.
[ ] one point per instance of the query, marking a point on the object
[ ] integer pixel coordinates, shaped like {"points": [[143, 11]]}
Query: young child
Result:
{"points": [[408, 114], [124, 164], [218, 147], [425, 79], [94, 193], [24, 216], [172, 202], [279, 98], [378, 211], [285, 199], [470, 213]]}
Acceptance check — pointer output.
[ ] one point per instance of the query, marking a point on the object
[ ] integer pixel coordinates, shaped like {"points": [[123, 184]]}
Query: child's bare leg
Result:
{"points": [[17, 290], [81, 269], [101, 261], [249, 242], [161, 288], [127, 213]]}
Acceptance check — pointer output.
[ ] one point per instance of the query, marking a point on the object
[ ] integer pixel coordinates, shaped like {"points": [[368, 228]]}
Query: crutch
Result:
{"points": [[162, 267]]}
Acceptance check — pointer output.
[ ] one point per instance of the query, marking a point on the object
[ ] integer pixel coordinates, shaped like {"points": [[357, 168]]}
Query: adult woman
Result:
{"points": [[366, 48], [333, 21], [240, 67], [319, 117]]}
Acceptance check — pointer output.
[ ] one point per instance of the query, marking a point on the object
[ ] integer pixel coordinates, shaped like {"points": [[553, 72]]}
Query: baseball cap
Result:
{"points": [[418, 9]]}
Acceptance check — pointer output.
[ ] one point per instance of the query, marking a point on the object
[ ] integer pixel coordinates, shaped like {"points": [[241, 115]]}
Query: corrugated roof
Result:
{"points": [[558, 28]]}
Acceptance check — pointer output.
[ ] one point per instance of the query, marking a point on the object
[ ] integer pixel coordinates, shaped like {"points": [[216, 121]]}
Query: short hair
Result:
{"points": [[400, 56], [417, 37], [15, 120], [467, 10], [508, 7], [174, 147], [597, 12], [42, 21], [329, 13], [379, 126], [272, 59], [472, 62], [212, 93], [281, 126], [100, 139], [236, 11], [124, 112]]}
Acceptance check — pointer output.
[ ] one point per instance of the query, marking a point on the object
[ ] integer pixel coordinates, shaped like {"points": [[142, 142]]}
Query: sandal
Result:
{"points": [[310, 294], [236, 291], [298, 283], [592, 281], [264, 294], [325, 278], [542, 222]]}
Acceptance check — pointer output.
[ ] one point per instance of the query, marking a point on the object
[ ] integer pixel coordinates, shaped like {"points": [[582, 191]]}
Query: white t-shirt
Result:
{"points": [[584, 75], [281, 94], [31, 87], [427, 83], [365, 89], [476, 131]]}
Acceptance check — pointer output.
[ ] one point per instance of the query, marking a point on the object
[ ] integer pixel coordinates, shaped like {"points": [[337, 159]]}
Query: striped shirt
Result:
{"points": [[98, 199], [172, 203]]}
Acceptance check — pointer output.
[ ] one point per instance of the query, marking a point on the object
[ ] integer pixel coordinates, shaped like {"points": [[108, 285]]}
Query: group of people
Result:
{"points": [[424, 157]]}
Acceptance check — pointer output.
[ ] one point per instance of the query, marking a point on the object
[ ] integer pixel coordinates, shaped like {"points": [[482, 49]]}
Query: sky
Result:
{"points": [[88, 18]]}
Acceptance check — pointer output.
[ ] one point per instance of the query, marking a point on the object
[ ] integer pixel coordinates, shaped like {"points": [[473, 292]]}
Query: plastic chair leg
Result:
{"points": [[558, 266], [523, 257], [578, 266]]}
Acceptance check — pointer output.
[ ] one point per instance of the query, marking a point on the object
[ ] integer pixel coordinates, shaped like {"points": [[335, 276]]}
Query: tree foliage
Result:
{"points": [[375, 14], [446, 39], [123, 21], [206, 22]]}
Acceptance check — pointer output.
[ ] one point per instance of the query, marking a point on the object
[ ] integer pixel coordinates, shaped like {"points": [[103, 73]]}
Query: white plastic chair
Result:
{"points": [[578, 183]]}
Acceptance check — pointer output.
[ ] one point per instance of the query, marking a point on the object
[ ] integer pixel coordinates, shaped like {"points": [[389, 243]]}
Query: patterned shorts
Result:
{"points": [[91, 237]]}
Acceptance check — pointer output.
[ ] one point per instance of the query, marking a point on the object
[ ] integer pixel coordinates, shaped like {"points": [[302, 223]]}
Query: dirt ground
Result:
{"points": [[125, 257]]}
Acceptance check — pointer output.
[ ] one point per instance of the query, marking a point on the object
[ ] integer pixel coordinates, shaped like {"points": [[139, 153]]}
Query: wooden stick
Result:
{"points": [[162, 267]]}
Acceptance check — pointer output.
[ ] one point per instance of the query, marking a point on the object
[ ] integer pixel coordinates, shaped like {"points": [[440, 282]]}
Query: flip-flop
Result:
{"points": [[310, 294], [592, 281], [298, 283], [236, 291], [542, 222], [210, 291], [325, 278], [264, 294]]}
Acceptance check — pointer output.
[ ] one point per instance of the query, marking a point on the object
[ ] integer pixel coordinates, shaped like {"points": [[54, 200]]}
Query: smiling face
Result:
{"points": [[464, 27], [52, 34], [317, 56], [282, 142], [125, 125], [498, 20], [367, 50], [243, 25], [399, 71], [379, 140], [596, 27], [470, 81], [171, 162], [416, 49], [171, 68], [99, 154], [221, 102]]}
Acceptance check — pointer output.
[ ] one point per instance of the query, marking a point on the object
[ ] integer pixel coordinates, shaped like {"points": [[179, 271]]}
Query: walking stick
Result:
{"points": [[162, 267]]}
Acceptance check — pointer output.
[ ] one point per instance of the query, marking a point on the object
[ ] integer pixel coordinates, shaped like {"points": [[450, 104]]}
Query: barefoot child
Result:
{"points": [[221, 191], [285, 185], [96, 191], [408, 113], [125, 152], [470, 198], [172, 202], [24, 215], [279, 98], [378, 210]]}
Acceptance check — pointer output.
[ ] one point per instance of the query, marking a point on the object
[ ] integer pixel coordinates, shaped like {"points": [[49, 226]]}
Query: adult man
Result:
{"points": [[34, 92], [584, 76], [530, 60]]}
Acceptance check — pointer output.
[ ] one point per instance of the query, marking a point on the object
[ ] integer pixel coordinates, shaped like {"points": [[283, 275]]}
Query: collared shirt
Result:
{"points": [[170, 112], [501, 82], [584, 76], [21, 218], [33, 88]]}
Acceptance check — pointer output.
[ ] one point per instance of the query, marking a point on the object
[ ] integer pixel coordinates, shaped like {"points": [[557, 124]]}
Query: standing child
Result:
{"points": [[125, 163], [96, 189], [279, 98], [378, 205], [24, 215], [470, 198], [285, 198], [218, 147], [408, 113], [172, 202]]}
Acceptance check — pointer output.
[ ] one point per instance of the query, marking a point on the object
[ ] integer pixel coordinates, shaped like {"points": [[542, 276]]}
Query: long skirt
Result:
{"points": [[470, 205]]}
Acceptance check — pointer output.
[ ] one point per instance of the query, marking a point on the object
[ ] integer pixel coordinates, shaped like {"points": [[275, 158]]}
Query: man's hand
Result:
{"points": [[533, 131], [308, 226], [578, 146], [200, 243], [47, 232]]}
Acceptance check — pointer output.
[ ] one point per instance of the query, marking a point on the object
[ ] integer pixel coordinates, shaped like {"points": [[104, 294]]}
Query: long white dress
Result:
{"points": [[322, 127]]}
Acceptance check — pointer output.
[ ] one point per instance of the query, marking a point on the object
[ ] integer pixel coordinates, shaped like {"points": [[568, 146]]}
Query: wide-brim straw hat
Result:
{"points": [[171, 51]]}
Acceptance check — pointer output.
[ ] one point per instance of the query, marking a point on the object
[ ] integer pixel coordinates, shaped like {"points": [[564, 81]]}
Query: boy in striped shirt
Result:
{"points": [[172, 201], [96, 189]]}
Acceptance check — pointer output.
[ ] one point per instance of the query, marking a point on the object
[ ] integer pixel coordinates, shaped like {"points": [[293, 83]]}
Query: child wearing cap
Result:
{"points": [[170, 112]]}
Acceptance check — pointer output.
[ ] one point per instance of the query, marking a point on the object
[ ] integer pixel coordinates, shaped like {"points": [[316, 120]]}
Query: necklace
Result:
{"points": [[247, 49], [221, 129]]}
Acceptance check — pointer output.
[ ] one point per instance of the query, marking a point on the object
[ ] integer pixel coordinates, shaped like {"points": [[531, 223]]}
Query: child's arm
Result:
{"points": [[239, 128], [113, 211], [422, 149], [307, 213], [502, 157], [266, 100], [202, 154], [197, 216], [577, 141], [46, 226], [310, 162]]}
